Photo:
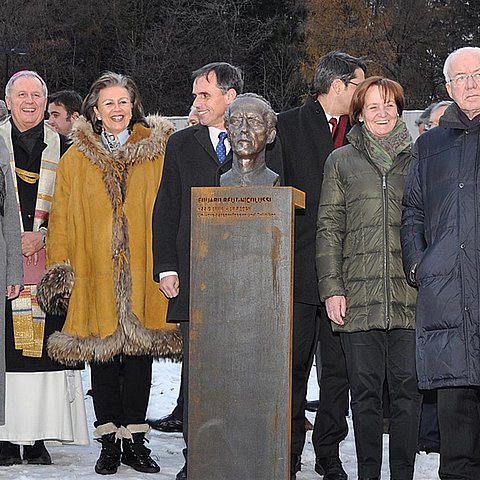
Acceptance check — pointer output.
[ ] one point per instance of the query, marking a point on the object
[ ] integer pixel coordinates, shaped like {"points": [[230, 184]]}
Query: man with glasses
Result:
{"points": [[436, 112], [308, 134], [440, 241]]}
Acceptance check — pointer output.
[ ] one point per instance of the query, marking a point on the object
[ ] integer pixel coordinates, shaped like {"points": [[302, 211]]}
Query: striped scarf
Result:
{"points": [[28, 318]]}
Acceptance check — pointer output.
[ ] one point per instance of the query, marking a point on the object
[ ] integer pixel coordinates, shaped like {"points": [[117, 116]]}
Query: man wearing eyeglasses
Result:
{"points": [[440, 241], [436, 113]]}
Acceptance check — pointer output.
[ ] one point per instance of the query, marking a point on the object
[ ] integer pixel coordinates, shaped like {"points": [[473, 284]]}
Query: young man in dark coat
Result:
{"points": [[308, 134], [440, 238], [194, 157]]}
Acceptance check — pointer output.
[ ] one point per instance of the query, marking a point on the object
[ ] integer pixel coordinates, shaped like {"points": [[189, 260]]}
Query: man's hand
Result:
{"points": [[170, 286], [32, 242], [13, 291], [336, 308]]}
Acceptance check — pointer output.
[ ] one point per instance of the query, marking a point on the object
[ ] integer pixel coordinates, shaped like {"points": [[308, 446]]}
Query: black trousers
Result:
{"points": [[429, 434], [371, 357], [305, 334], [121, 389], [459, 422], [177, 412], [330, 421], [185, 328]]}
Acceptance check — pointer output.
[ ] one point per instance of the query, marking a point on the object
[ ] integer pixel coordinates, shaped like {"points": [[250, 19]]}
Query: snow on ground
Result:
{"points": [[77, 462]]}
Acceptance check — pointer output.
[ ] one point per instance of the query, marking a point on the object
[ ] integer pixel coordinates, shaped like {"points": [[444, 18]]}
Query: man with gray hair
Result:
{"points": [[35, 150], [436, 112], [440, 243]]}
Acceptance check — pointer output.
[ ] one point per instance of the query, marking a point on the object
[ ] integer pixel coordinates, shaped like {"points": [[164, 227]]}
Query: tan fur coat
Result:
{"points": [[101, 226]]}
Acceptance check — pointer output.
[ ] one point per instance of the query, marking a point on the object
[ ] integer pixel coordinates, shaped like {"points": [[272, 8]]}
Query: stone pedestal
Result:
{"points": [[240, 332]]}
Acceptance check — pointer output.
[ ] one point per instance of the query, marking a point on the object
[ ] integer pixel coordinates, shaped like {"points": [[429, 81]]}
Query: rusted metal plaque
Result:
{"points": [[240, 333]]}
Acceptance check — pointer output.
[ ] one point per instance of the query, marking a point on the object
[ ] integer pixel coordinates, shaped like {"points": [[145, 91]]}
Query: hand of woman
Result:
{"points": [[13, 291], [32, 242], [336, 308]]}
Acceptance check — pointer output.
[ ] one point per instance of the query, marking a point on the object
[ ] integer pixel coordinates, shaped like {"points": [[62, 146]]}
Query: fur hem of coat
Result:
{"points": [[134, 340]]}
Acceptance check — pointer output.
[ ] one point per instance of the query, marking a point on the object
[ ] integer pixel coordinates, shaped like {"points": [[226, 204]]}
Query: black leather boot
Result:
{"points": [[37, 454], [9, 454], [109, 459], [136, 455]]}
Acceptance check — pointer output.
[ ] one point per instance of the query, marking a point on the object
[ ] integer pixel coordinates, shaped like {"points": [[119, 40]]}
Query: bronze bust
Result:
{"points": [[250, 122]]}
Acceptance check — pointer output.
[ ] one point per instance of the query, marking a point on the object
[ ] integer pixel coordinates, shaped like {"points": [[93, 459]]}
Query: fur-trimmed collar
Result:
{"points": [[143, 145]]}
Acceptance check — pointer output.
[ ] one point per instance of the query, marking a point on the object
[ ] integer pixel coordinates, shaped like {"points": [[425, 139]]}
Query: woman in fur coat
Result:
{"points": [[99, 255]]}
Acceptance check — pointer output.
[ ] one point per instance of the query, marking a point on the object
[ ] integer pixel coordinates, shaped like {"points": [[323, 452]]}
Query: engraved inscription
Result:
{"points": [[235, 207]]}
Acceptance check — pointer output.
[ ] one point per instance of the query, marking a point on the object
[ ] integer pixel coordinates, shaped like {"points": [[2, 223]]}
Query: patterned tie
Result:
{"points": [[221, 148], [333, 122]]}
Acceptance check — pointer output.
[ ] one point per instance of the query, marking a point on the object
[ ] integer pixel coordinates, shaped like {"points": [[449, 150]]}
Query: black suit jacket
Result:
{"points": [[190, 161], [306, 143]]}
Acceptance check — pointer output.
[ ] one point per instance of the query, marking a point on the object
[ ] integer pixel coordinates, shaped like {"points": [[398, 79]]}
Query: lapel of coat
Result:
{"points": [[203, 138], [317, 121]]}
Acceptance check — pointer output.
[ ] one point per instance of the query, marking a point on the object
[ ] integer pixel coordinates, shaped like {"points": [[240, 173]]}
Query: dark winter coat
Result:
{"points": [[358, 239], [441, 235], [306, 143]]}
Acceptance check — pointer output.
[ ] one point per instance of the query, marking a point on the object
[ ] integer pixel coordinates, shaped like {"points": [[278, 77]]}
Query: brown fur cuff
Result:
{"points": [[55, 288]]}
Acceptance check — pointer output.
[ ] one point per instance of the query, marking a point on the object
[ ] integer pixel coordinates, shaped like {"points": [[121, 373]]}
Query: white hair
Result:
{"points": [[436, 106], [449, 59], [25, 73]]}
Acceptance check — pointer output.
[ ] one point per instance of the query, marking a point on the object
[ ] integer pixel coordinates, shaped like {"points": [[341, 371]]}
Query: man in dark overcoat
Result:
{"points": [[194, 157], [308, 134]]}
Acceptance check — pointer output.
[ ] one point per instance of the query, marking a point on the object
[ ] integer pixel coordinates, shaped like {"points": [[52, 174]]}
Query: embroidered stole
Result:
{"points": [[28, 318]]}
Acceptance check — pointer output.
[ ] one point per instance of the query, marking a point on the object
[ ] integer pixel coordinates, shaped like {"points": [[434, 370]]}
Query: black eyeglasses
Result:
{"points": [[353, 83]]}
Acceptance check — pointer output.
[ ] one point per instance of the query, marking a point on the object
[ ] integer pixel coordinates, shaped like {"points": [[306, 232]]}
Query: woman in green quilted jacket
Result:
{"points": [[361, 279]]}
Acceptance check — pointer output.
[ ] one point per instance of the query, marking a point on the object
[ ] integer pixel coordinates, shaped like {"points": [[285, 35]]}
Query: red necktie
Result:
{"points": [[333, 122]]}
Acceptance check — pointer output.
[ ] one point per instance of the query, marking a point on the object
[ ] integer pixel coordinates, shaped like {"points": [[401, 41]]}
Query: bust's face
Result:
{"points": [[247, 128]]}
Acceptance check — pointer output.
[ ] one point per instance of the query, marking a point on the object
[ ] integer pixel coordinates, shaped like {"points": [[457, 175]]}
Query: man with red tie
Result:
{"points": [[308, 134]]}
